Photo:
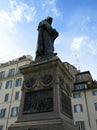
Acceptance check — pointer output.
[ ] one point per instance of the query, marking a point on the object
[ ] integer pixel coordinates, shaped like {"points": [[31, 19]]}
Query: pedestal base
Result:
{"points": [[56, 124]]}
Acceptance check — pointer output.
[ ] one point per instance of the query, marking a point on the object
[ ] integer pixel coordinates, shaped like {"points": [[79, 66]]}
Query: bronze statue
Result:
{"points": [[46, 37]]}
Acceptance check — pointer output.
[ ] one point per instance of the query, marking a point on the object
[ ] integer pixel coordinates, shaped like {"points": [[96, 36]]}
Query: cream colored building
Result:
{"points": [[11, 81], [84, 101]]}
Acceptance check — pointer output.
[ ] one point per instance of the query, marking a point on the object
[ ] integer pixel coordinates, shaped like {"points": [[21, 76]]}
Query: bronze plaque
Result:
{"points": [[38, 101], [66, 105]]}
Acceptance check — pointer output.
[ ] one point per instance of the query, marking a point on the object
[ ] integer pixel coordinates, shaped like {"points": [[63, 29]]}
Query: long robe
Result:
{"points": [[46, 37]]}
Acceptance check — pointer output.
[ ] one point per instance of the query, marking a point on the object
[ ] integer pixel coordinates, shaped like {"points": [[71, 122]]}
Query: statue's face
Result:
{"points": [[49, 21]]}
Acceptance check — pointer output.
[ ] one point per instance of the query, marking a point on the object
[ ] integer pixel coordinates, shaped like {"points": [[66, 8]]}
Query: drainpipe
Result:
{"points": [[87, 109]]}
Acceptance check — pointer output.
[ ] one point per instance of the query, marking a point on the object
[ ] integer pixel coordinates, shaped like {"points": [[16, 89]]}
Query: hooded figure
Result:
{"points": [[46, 37]]}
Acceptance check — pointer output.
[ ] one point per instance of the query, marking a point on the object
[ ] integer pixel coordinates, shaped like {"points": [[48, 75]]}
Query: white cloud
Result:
{"points": [[93, 47], [90, 44], [77, 43], [50, 6], [5, 18], [8, 48], [18, 11]]}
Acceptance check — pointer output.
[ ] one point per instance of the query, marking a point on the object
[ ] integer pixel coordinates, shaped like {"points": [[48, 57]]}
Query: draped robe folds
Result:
{"points": [[46, 37]]}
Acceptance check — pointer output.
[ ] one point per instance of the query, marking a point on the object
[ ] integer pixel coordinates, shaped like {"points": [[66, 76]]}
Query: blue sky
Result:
{"points": [[75, 20]]}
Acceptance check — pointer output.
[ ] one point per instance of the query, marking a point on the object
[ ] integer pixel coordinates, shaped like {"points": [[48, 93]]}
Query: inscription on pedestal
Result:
{"points": [[38, 101], [66, 105]]}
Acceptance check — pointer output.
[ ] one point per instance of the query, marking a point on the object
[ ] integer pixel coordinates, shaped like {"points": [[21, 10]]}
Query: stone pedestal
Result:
{"points": [[45, 102]]}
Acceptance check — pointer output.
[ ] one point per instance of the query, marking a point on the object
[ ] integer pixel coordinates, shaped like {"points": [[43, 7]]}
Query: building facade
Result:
{"points": [[11, 81], [84, 101]]}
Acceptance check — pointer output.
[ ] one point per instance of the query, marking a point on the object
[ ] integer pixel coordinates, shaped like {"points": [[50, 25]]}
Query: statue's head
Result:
{"points": [[49, 19]]}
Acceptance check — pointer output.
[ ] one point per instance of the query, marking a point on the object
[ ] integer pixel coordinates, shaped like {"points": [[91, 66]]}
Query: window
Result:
{"points": [[80, 124], [11, 72], [95, 92], [78, 108], [81, 77], [6, 97], [14, 111], [8, 84], [2, 74], [17, 95], [76, 95], [79, 87], [95, 106], [2, 113], [18, 82], [1, 127], [0, 86], [18, 70]]}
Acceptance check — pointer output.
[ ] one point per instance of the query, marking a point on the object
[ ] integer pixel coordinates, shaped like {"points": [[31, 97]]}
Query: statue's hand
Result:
{"points": [[54, 30]]}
